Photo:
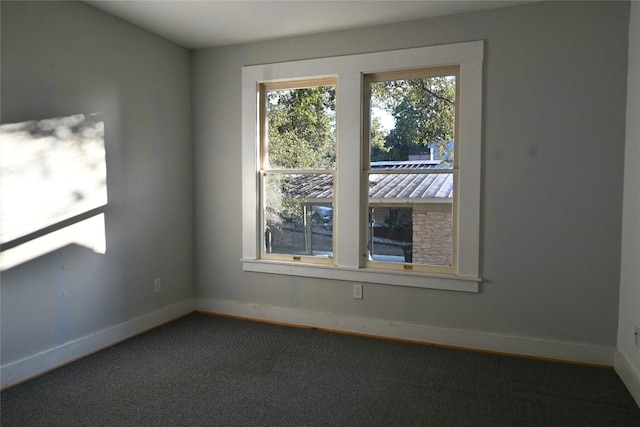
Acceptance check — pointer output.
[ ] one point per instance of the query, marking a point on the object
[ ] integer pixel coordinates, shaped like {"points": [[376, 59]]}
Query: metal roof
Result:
{"points": [[406, 164], [383, 188], [411, 186]]}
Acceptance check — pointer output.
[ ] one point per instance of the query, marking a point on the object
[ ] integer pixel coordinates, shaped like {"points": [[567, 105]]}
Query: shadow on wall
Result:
{"points": [[53, 186]]}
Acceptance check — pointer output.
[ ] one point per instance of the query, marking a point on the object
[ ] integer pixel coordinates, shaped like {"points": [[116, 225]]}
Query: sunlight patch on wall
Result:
{"points": [[54, 186]]}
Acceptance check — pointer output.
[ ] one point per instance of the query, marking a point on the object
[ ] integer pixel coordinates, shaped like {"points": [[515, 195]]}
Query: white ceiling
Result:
{"points": [[210, 23]]}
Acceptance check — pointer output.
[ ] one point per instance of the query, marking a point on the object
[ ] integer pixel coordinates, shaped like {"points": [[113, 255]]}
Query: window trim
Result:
{"points": [[349, 251]]}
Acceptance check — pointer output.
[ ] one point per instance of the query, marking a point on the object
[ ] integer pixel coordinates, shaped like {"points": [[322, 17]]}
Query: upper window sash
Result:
{"points": [[265, 104]]}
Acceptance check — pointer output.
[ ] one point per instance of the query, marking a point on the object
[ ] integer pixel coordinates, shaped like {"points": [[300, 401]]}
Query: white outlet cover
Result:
{"points": [[357, 291]]}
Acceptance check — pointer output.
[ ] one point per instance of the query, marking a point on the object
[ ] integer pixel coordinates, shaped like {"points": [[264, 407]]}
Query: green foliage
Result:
{"points": [[379, 149], [301, 128], [279, 205], [424, 114]]}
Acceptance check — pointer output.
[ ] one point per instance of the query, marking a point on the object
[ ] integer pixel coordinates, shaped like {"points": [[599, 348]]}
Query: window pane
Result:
{"points": [[410, 218], [412, 122], [298, 214], [301, 128]]}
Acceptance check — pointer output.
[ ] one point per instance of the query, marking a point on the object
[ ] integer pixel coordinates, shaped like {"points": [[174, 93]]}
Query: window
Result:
{"points": [[298, 159], [365, 167], [412, 171]]}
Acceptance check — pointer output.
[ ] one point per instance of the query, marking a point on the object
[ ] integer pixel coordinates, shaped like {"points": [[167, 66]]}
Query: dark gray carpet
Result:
{"points": [[212, 371]]}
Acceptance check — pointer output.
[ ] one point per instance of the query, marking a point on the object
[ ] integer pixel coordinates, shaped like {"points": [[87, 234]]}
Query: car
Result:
{"points": [[321, 215]]}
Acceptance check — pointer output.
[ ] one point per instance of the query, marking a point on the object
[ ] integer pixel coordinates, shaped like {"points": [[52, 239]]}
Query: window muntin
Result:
{"points": [[410, 129], [298, 158]]}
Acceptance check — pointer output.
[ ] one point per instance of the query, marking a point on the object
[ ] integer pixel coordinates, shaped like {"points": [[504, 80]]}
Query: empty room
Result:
{"points": [[320, 213]]}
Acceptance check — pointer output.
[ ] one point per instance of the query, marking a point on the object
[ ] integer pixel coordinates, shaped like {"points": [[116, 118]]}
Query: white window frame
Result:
{"points": [[350, 228]]}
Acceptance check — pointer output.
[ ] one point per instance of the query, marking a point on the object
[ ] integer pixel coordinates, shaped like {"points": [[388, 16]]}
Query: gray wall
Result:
{"points": [[65, 58], [628, 343], [554, 132]]}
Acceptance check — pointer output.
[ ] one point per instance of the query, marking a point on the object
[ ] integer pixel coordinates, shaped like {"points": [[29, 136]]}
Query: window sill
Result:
{"points": [[366, 275]]}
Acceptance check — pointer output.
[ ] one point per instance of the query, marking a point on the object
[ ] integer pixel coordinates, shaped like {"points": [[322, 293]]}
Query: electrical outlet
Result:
{"points": [[357, 291], [157, 285]]}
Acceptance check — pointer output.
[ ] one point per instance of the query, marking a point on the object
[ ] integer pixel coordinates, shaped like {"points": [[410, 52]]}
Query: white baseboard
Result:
{"points": [[630, 377], [463, 338], [32, 366]]}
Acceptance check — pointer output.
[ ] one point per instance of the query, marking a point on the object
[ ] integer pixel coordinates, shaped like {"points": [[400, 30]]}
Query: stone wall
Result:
{"points": [[432, 235]]}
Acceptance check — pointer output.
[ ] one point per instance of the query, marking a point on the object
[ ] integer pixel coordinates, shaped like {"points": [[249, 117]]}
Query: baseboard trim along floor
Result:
{"points": [[629, 376], [450, 337], [22, 370]]}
